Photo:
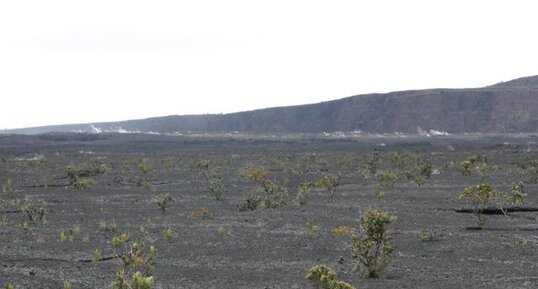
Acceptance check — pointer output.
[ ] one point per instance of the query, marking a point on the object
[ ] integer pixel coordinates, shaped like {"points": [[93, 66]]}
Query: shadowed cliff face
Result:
{"points": [[505, 107]]}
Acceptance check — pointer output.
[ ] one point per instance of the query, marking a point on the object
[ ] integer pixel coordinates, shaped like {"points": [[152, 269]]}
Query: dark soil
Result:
{"points": [[264, 248]]}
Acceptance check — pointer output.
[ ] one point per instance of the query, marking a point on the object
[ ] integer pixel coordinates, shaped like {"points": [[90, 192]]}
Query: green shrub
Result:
{"points": [[326, 278], [212, 180], [329, 182], [164, 201], [75, 181], [96, 255], [312, 227], [33, 212], [517, 195], [475, 165], [371, 247], [302, 193], [168, 234], [137, 261], [386, 179], [479, 197], [275, 195]]}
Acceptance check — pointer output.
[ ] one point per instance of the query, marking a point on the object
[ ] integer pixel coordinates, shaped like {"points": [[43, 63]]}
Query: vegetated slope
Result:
{"points": [[502, 108]]}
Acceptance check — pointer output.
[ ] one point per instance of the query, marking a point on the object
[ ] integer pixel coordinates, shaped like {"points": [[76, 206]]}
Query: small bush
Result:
{"points": [[201, 213], [341, 231], [96, 255], [329, 182], [371, 248], [33, 212], [137, 260], [249, 203], [478, 197], [302, 193], [275, 195], [312, 227], [168, 234], [517, 195], [326, 278], [164, 201]]}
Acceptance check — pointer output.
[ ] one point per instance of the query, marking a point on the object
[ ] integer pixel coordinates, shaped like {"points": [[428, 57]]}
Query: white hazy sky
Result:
{"points": [[84, 61]]}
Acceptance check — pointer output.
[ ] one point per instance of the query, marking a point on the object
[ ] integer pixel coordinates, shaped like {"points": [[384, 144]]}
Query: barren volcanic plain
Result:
{"points": [[66, 196]]}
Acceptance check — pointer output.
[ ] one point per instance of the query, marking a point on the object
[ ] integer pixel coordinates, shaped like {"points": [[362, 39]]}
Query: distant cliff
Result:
{"points": [[510, 106]]}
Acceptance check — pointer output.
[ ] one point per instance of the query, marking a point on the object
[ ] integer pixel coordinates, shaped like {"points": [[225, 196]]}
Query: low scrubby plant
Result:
{"points": [[341, 231], [431, 235], [96, 255], [274, 195], [164, 201], [111, 227], [312, 228], [326, 278], [211, 178], [168, 234], [32, 211], [517, 195], [302, 193], [144, 167], [371, 246], [137, 262], [329, 182], [479, 197], [75, 181], [201, 213], [475, 165]]}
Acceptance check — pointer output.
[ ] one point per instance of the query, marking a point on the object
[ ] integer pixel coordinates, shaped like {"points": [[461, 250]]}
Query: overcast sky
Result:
{"points": [[86, 61]]}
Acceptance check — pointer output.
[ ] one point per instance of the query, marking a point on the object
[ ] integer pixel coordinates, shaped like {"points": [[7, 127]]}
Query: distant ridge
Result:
{"points": [[530, 81], [506, 107]]}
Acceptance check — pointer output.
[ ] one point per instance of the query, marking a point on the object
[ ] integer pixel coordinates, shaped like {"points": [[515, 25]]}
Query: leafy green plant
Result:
{"points": [[10, 286], [275, 195], [201, 213], [523, 242], [478, 197], [302, 193], [517, 195], [96, 255], [341, 231], [371, 247], [326, 278], [431, 235], [75, 181], [312, 228], [168, 234], [164, 201], [32, 211], [137, 262], [211, 178], [112, 226], [329, 182], [475, 165], [145, 168]]}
